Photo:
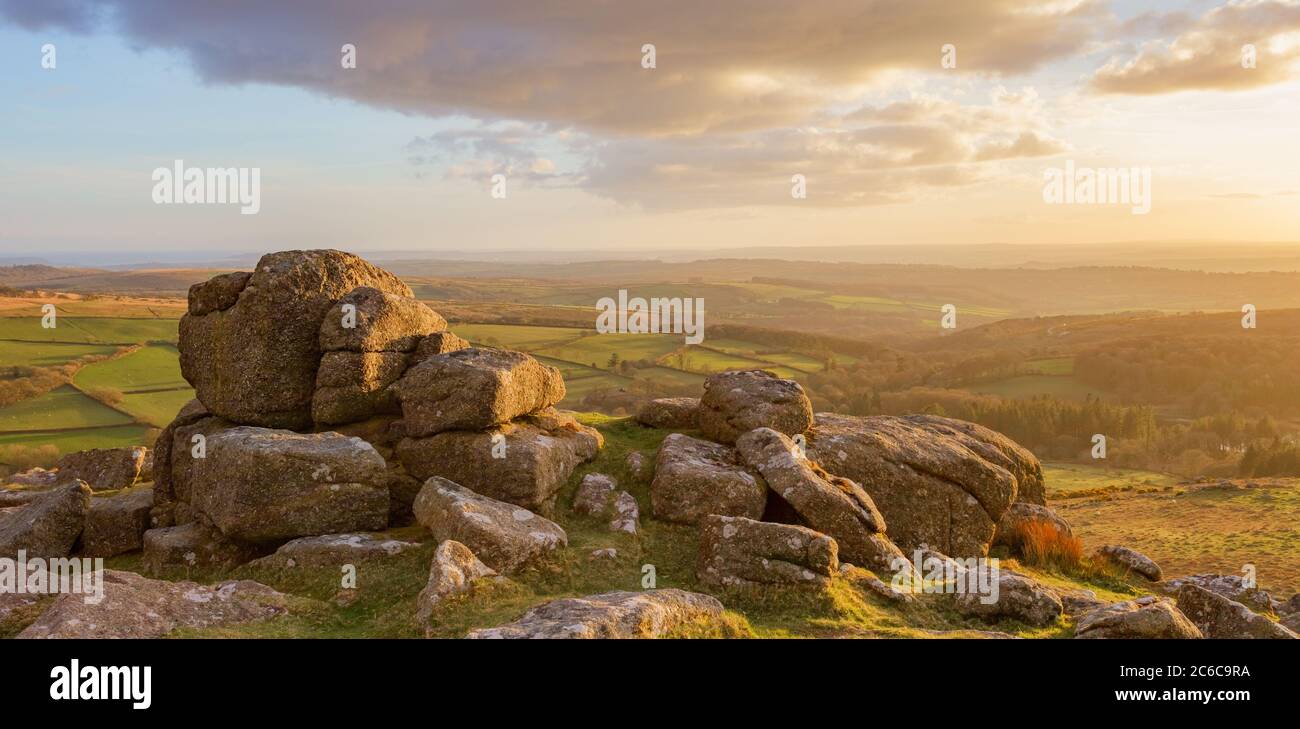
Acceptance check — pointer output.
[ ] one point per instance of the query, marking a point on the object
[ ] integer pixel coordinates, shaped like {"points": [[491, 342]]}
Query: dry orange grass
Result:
{"points": [[1042, 544]]}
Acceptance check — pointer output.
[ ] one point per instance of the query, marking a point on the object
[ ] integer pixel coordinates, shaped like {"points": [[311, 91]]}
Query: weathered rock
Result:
{"points": [[830, 504], [1017, 598], [453, 572], [355, 386], [636, 464], [192, 545], [694, 478], [503, 535], [735, 551], [627, 514], [995, 448], [670, 413], [262, 485], [33, 478], [333, 549], [10, 499], [1291, 622], [116, 524], [49, 525], [164, 495], [1021, 514], [936, 482], [1219, 617], [650, 614], [525, 462], [255, 362], [1132, 560], [606, 553], [104, 469], [1079, 602], [217, 293], [594, 494], [381, 322], [1233, 587], [1145, 617], [472, 389], [735, 403], [437, 343], [138, 607]]}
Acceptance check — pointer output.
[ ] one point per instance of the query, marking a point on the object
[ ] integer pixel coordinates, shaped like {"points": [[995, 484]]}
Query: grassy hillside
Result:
{"points": [[385, 603]]}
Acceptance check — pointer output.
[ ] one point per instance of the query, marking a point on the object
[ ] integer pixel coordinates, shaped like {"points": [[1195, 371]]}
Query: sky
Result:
{"points": [[918, 122]]}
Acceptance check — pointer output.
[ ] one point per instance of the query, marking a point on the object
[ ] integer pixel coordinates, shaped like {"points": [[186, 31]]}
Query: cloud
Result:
{"points": [[871, 156], [721, 66], [74, 15], [1207, 54], [481, 151]]}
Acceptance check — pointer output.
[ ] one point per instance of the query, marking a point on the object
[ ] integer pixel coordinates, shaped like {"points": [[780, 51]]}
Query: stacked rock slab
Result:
{"points": [[695, 478], [309, 341], [832, 505], [361, 362], [735, 552], [939, 482], [483, 418], [735, 403]]}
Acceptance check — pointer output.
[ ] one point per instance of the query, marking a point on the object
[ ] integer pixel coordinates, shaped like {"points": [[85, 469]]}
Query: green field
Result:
{"points": [[47, 354], [93, 330], [1050, 366], [514, 336], [155, 367], [1064, 479], [61, 408], [1026, 386], [71, 441], [597, 348]]}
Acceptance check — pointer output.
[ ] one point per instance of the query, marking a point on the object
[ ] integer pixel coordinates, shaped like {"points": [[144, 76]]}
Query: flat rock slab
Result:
{"points": [[104, 469], [48, 526], [1219, 617], [938, 482], [331, 550], [830, 504], [695, 478], [1145, 617], [740, 552], [1132, 560], [650, 614], [116, 524], [1018, 597], [670, 413], [261, 485], [473, 389], [525, 462], [505, 536], [191, 545], [735, 403], [138, 607]]}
